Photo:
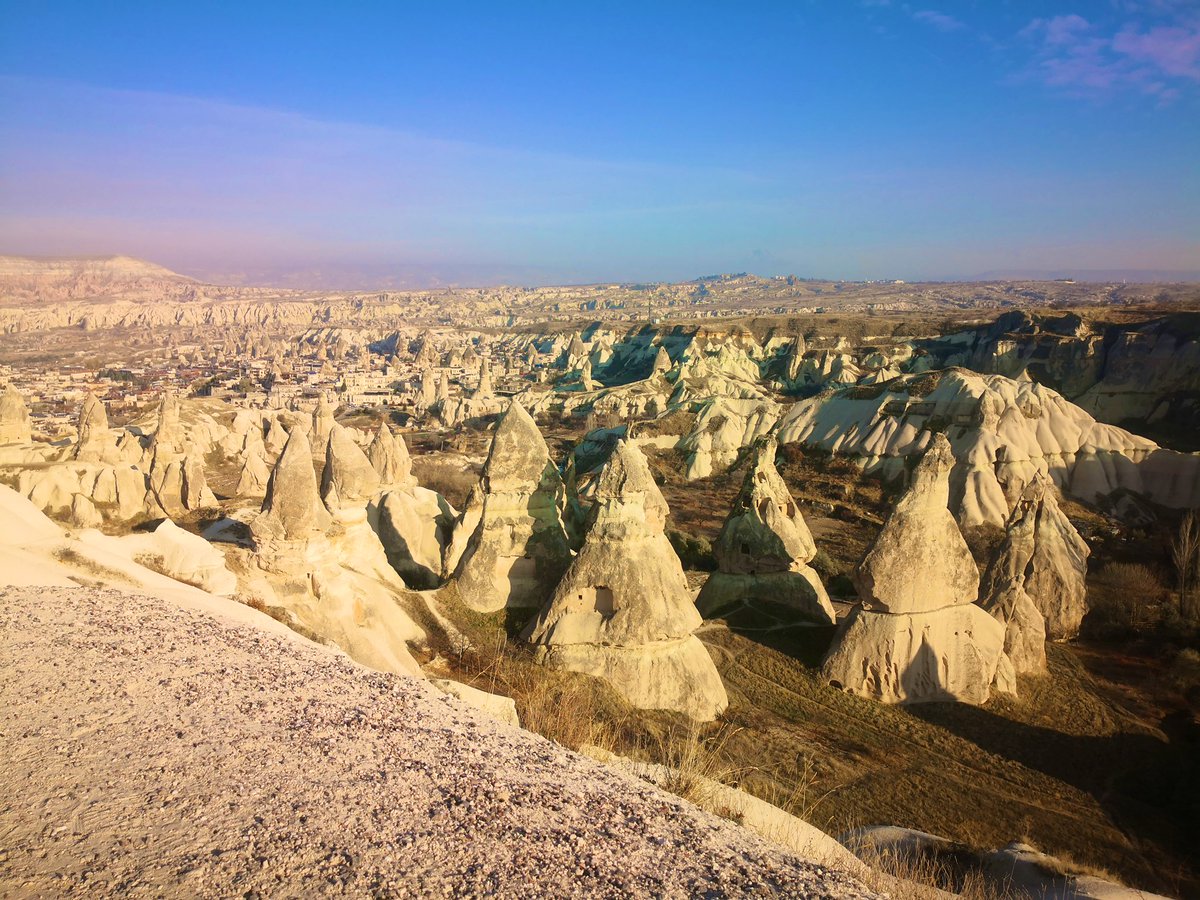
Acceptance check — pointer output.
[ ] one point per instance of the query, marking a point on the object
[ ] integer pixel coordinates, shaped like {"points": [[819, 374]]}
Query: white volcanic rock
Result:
{"points": [[322, 423], [519, 549], [118, 492], [722, 428], [255, 475], [178, 483], [919, 560], [764, 549], [947, 654], [622, 611], [14, 418], [414, 525], [84, 513], [95, 442], [276, 438], [1004, 432], [330, 572], [348, 479], [292, 509], [1044, 555], [389, 455], [916, 635], [662, 362], [169, 439]]}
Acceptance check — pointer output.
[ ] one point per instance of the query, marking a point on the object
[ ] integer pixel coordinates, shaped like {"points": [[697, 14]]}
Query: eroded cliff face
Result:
{"points": [[1144, 373]]}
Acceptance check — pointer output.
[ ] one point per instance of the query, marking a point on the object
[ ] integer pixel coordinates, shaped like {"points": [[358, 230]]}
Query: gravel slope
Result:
{"points": [[155, 749]]}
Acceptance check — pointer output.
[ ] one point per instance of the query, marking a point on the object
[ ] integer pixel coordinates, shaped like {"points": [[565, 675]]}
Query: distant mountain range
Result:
{"points": [[97, 275], [1133, 276]]}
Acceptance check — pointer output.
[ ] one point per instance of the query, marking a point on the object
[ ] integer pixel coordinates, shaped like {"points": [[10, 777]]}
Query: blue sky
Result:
{"points": [[552, 142]]}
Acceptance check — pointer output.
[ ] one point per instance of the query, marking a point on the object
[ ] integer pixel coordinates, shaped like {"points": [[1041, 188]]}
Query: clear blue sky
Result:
{"points": [[560, 141]]}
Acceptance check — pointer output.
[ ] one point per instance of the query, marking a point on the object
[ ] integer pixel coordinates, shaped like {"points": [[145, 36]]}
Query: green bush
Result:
{"points": [[694, 552]]}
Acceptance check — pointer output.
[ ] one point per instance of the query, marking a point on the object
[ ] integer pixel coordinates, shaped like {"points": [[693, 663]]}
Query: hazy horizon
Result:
{"points": [[473, 145]]}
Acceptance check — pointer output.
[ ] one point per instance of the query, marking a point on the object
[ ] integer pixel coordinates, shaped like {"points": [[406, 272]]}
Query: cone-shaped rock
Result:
{"points": [[277, 438], [322, 422], [623, 611], [95, 440], [763, 552], [1043, 553], [254, 476], [485, 381], [920, 561], [389, 455], [14, 418], [662, 361], [169, 437], [349, 478], [518, 550], [916, 635], [292, 509], [428, 394]]}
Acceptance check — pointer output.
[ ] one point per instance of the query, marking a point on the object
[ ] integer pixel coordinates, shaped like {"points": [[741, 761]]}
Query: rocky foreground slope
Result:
{"points": [[157, 746]]}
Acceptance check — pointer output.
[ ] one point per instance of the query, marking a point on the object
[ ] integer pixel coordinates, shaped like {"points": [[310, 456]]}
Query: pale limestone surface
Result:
{"points": [[919, 561], [916, 634], [763, 550], [292, 508], [1045, 555], [518, 549], [623, 611], [14, 417]]}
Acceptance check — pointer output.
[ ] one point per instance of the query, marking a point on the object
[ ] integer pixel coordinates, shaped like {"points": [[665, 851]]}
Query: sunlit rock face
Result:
{"points": [[916, 634], [413, 523], [292, 508], [1004, 432], [763, 552], [14, 417], [518, 547], [1044, 555], [623, 611]]}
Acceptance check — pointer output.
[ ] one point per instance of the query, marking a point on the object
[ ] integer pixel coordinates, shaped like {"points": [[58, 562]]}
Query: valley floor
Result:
{"points": [[152, 749]]}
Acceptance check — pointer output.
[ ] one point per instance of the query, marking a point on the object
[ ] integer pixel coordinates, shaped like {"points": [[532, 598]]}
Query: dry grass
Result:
{"points": [[919, 876], [1125, 597], [447, 477]]}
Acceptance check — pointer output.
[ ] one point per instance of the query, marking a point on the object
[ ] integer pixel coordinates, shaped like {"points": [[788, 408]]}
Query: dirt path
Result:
{"points": [[156, 750]]}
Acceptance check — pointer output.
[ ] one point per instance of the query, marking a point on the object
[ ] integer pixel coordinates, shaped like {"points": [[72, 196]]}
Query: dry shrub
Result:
{"points": [[926, 876], [1125, 597], [447, 478], [697, 761]]}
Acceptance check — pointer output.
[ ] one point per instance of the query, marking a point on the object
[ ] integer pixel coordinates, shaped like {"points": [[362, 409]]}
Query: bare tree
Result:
{"points": [[1185, 553]]}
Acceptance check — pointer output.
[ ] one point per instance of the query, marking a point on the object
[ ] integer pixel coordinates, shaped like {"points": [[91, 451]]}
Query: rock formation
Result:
{"points": [[255, 474], [389, 455], [348, 479], [177, 483], [763, 552], [330, 571], [916, 634], [169, 440], [1044, 555], [662, 362], [14, 418], [95, 443], [292, 509], [484, 390], [623, 611], [322, 423], [518, 549], [1003, 431]]}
